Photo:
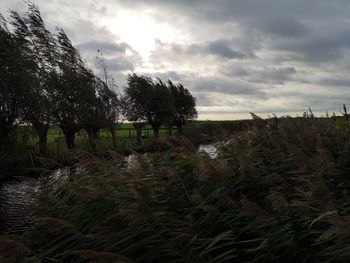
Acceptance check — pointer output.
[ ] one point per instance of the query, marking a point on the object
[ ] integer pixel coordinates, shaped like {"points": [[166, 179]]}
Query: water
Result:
{"points": [[18, 199], [209, 149], [19, 196], [130, 159]]}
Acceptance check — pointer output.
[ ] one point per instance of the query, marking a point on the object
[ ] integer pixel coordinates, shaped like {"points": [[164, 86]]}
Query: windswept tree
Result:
{"points": [[42, 47], [184, 103], [163, 109], [92, 118], [152, 98], [71, 89], [103, 112], [134, 113], [14, 79], [134, 104], [111, 110], [109, 101]]}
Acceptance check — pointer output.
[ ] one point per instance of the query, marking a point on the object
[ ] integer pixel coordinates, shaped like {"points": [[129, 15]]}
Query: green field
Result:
{"points": [[125, 134]]}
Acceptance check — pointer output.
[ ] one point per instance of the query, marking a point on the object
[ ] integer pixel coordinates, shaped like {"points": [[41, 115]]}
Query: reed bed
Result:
{"points": [[277, 192]]}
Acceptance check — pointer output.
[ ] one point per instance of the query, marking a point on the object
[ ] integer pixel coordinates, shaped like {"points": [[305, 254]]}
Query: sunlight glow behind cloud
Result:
{"points": [[235, 56], [141, 32]]}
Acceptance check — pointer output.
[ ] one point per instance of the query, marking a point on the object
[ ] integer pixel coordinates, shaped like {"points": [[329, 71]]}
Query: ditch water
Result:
{"points": [[210, 149], [18, 197]]}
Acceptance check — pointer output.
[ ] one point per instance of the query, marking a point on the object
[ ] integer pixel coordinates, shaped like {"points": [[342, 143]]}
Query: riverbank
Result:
{"points": [[275, 193], [24, 159]]}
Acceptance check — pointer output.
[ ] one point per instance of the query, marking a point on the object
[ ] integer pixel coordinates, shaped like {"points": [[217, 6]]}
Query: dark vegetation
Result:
{"points": [[277, 192]]}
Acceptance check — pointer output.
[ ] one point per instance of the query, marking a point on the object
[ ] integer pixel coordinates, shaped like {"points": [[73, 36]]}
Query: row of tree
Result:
{"points": [[44, 82]]}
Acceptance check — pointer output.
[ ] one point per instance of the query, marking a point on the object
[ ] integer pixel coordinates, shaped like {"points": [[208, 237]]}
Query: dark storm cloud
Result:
{"points": [[337, 82], [296, 42], [221, 48], [226, 86], [286, 27], [306, 27], [220, 11], [260, 52], [273, 75], [205, 99], [319, 47]]}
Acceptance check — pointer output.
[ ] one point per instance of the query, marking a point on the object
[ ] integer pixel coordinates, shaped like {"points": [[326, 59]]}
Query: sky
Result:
{"points": [[235, 56]]}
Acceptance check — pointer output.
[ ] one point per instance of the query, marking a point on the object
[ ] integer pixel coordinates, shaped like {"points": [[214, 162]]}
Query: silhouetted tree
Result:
{"points": [[110, 104], [92, 119], [71, 89], [14, 79], [162, 105], [134, 113], [42, 47], [184, 103], [152, 98]]}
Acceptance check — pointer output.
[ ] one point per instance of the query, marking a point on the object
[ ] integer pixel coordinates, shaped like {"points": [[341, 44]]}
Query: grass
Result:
{"points": [[124, 130], [278, 192], [15, 159], [55, 134], [126, 136]]}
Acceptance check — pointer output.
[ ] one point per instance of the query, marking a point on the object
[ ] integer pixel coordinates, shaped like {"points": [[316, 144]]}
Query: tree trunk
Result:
{"points": [[138, 135], [156, 130], [170, 130], [42, 132], [92, 134], [69, 135], [179, 129], [4, 134], [138, 126], [114, 139]]}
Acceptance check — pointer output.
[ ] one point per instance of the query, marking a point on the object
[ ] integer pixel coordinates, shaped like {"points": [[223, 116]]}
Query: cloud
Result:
{"points": [[284, 27], [105, 47], [318, 47], [235, 56], [272, 75], [335, 82], [221, 48], [226, 86]]}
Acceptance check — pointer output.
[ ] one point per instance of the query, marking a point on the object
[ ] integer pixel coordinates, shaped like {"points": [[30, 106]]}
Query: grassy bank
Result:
{"points": [[276, 193], [22, 154]]}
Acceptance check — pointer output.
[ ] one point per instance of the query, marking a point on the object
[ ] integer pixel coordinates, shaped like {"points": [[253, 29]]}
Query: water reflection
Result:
{"points": [[18, 198], [210, 149]]}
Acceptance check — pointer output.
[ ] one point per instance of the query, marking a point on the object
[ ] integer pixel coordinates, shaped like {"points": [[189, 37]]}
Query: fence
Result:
{"points": [[131, 132]]}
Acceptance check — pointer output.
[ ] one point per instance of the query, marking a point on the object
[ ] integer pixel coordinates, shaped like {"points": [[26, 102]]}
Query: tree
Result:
{"points": [[133, 103], [14, 79], [184, 103], [40, 43], [134, 113], [71, 89], [110, 103], [153, 99], [92, 119]]}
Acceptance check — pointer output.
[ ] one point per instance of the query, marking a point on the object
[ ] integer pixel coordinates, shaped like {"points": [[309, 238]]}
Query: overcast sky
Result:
{"points": [[235, 56]]}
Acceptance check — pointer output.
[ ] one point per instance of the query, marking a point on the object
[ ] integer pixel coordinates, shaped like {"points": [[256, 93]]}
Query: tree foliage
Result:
{"points": [[45, 82], [184, 104], [14, 79], [157, 102]]}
